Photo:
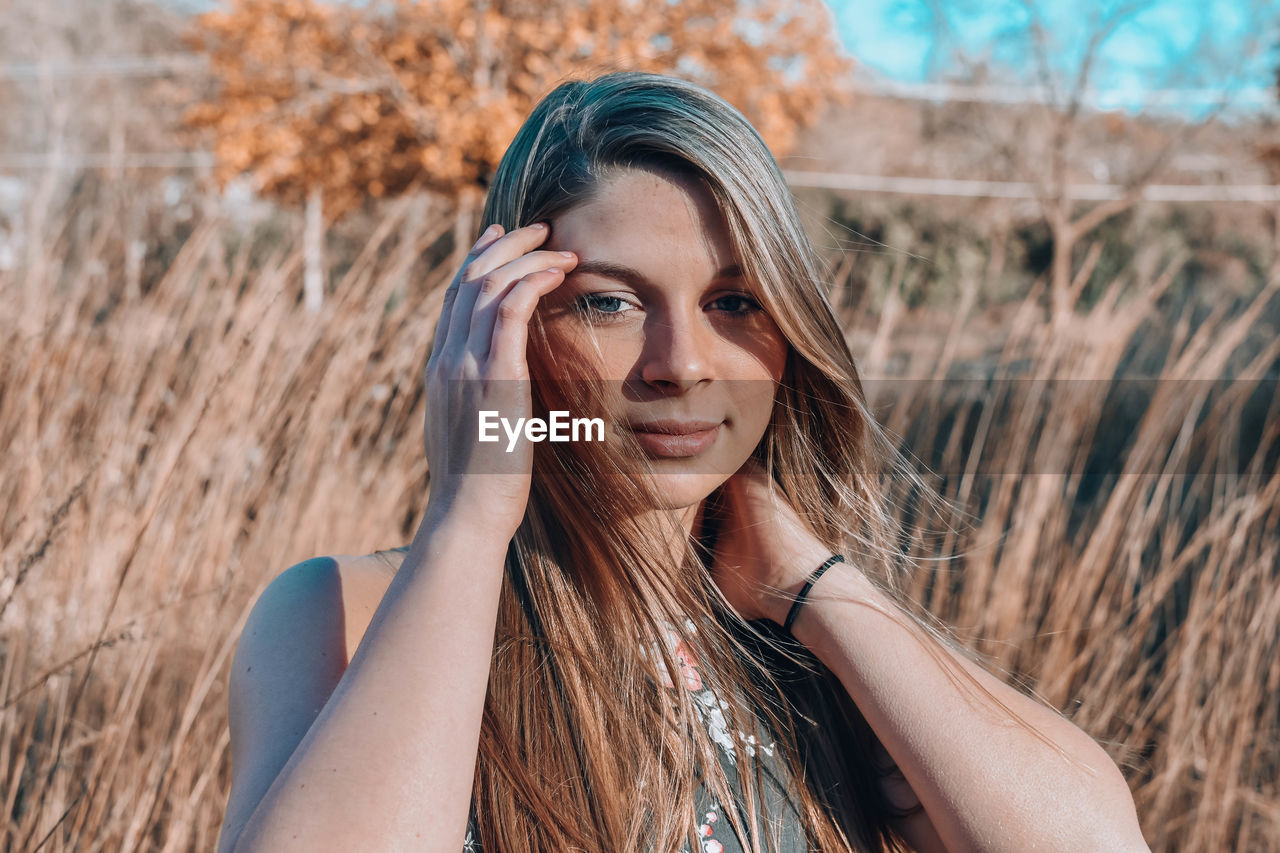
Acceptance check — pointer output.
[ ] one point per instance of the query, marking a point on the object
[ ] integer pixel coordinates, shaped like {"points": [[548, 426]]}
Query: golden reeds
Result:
{"points": [[168, 451]]}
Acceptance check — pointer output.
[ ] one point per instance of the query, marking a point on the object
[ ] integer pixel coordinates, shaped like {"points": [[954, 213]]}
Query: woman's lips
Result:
{"points": [[669, 443]]}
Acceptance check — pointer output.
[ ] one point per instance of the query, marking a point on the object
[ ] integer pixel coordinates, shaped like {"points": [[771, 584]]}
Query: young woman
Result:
{"points": [[584, 647]]}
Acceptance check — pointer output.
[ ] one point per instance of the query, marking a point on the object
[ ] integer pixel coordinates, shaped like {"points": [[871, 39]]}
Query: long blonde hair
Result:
{"points": [[581, 746]]}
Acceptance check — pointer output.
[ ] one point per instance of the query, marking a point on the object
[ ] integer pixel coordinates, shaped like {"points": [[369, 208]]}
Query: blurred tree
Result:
{"points": [[1269, 150], [1057, 137], [322, 101]]}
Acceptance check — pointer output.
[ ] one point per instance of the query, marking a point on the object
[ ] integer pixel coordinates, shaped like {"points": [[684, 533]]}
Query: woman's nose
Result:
{"points": [[677, 351]]}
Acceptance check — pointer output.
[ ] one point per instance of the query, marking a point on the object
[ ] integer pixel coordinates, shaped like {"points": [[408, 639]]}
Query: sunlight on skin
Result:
{"points": [[687, 340]]}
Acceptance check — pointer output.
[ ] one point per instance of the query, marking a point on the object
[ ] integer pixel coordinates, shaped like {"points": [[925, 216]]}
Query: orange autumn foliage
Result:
{"points": [[404, 96]]}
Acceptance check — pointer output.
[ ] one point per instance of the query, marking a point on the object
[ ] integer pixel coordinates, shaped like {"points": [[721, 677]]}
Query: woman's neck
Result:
{"points": [[675, 527]]}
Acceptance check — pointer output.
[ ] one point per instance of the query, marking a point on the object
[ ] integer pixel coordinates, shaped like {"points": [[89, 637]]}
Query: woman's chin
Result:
{"points": [[684, 489]]}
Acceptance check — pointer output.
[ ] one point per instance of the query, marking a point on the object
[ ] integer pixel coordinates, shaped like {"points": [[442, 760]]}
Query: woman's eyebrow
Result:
{"points": [[634, 277]]}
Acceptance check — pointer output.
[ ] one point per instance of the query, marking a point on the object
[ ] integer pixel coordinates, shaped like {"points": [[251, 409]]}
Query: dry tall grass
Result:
{"points": [[168, 451]]}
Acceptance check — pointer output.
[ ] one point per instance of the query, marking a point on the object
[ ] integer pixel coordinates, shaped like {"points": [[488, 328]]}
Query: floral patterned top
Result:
{"points": [[715, 834]]}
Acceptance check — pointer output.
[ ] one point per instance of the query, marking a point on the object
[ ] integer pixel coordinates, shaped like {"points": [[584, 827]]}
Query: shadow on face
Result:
{"points": [[658, 307]]}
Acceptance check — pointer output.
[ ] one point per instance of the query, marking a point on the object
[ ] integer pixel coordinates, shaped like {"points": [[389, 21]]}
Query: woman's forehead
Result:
{"points": [[647, 222]]}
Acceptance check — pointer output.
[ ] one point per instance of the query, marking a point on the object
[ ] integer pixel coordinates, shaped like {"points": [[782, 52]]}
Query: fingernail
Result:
{"points": [[541, 226], [554, 269], [568, 254]]}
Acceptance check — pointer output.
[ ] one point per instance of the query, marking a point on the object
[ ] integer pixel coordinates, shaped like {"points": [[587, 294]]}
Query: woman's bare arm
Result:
{"points": [[387, 760], [986, 783], [380, 754]]}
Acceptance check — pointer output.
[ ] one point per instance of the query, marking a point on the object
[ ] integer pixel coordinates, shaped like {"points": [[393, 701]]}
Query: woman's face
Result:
{"points": [[658, 303]]}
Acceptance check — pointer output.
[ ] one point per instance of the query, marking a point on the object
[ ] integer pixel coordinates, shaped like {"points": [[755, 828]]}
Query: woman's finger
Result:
{"points": [[519, 242], [510, 335], [503, 251], [496, 285], [490, 236]]}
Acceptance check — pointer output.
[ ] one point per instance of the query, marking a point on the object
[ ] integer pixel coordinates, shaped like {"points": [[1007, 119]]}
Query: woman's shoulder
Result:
{"points": [[364, 579], [379, 567], [342, 591]]}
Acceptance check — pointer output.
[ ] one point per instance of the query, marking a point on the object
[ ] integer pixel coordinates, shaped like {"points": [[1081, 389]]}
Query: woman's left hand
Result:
{"points": [[764, 552]]}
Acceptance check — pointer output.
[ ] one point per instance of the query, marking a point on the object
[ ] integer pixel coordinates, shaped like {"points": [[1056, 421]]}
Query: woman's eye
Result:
{"points": [[600, 305], [737, 303], [604, 307]]}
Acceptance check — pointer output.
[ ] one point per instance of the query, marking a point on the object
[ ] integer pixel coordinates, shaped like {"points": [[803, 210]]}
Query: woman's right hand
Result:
{"points": [[477, 364]]}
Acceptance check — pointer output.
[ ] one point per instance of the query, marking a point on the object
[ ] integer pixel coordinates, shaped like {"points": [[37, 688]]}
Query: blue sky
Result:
{"points": [[1166, 44]]}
